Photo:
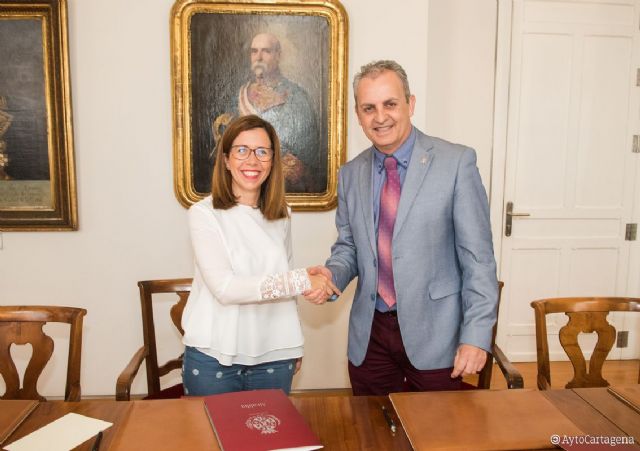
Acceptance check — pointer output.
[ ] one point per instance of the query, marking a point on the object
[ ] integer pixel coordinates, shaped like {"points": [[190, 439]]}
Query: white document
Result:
{"points": [[63, 434]]}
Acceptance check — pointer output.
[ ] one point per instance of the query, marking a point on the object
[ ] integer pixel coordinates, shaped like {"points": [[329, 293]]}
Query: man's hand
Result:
{"points": [[320, 295], [469, 360], [313, 270]]}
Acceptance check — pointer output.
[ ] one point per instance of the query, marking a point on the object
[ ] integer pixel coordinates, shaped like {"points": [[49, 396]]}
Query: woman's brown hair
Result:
{"points": [[271, 201]]}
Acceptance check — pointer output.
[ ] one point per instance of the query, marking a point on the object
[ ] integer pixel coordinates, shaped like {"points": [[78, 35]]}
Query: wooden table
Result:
{"points": [[352, 423], [623, 416], [114, 412], [597, 412], [340, 422]]}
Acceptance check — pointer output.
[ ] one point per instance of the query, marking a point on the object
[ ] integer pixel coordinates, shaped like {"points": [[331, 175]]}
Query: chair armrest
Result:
{"points": [[173, 364], [510, 373], [125, 379]]}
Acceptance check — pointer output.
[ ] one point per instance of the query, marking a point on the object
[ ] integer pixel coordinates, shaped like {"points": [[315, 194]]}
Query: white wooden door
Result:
{"points": [[572, 112]]}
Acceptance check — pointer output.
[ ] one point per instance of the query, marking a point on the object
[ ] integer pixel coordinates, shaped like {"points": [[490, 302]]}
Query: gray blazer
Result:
{"points": [[443, 263]]}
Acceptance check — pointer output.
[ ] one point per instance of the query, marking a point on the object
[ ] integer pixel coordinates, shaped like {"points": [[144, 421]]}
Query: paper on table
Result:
{"points": [[63, 434]]}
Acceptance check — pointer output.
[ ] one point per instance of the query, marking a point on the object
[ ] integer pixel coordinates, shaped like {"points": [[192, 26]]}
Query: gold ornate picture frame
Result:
{"points": [[37, 173], [284, 60]]}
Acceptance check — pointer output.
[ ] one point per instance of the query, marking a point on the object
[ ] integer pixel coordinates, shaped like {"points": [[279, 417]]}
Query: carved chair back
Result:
{"points": [[23, 325], [586, 315], [148, 288], [149, 352]]}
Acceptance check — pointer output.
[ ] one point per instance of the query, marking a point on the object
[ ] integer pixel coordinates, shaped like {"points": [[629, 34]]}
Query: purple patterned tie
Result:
{"points": [[388, 209]]}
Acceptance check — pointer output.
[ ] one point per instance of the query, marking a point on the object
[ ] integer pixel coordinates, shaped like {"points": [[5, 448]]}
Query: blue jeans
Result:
{"points": [[203, 375]]}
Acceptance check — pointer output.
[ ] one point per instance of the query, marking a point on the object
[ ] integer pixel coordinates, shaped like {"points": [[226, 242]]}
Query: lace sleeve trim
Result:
{"points": [[284, 284]]}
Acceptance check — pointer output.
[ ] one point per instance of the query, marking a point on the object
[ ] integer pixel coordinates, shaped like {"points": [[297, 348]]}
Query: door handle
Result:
{"points": [[509, 218]]}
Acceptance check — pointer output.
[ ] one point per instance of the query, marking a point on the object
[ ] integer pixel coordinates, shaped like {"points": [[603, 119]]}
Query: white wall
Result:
{"points": [[461, 74], [131, 225]]}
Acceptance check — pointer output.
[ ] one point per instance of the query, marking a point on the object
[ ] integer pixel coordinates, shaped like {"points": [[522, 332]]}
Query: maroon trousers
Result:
{"points": [[387, 369]]}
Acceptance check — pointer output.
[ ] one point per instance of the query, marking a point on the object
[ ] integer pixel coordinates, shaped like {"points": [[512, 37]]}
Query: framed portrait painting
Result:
{"points": [[284, 61], [37, 178]]}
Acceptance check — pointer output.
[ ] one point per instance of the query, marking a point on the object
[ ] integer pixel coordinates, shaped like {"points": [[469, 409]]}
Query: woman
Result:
{"points": [[241, 326]]}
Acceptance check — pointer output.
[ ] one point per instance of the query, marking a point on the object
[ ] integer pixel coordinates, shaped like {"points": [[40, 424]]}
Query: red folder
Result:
{"points": [[258, 420]]}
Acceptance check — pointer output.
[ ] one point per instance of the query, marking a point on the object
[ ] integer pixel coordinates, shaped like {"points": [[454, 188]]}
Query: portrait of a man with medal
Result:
{"points": [[284, 62]]}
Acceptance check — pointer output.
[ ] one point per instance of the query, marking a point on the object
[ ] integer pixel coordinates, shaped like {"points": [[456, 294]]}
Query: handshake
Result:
{"points": [[322, 286]]}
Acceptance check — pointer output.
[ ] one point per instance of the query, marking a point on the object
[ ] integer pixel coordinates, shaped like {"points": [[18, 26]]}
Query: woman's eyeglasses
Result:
{"points": [[243, 152]]}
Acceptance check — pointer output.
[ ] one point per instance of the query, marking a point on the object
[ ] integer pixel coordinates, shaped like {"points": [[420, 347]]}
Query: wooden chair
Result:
{"points": [[585, 315], [23, 325], [510, 373], [148, 352]]}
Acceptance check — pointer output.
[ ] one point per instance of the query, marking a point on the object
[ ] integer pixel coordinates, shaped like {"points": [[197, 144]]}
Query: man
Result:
{"points": [[413, 226], [288, 108]]}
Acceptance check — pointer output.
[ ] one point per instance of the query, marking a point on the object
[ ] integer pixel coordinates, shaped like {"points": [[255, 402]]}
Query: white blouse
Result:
{"points": [[242, 307]]}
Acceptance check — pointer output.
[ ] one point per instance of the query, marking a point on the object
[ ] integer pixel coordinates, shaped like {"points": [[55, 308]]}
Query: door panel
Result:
{"points": [[572, 113], [542, 131], [603, 122]]}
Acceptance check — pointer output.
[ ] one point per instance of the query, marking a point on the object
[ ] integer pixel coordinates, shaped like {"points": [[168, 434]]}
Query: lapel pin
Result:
{"points": [[423, 161]]}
